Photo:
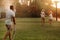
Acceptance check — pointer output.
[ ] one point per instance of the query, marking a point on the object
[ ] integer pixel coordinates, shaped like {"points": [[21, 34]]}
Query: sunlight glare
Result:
{"points": [[58, 4]]}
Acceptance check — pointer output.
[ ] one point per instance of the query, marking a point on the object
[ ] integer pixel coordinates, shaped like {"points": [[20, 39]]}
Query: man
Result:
{"points": [[10, 19], [42, 16]]}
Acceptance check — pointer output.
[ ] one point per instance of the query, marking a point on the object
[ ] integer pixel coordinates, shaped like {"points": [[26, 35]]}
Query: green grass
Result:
{"points": [[31, 29]]}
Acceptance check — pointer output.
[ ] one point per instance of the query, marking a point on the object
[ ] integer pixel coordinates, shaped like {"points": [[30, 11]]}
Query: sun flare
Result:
{"points": [[58, 4]]}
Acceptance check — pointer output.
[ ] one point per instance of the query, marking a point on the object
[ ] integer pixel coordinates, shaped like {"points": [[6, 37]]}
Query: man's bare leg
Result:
{"points": [[43, 21], [10, 36], [8, 33]]}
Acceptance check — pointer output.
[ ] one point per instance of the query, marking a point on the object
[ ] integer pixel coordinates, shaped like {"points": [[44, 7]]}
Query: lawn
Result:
{"points": [[31, 29]]}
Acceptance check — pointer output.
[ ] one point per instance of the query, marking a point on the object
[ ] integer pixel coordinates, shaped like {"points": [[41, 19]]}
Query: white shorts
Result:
{"points": [[8, 22]]}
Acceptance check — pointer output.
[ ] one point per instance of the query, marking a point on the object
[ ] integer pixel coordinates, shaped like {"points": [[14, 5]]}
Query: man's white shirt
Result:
{"points": [[42, 14], [9, 15]]}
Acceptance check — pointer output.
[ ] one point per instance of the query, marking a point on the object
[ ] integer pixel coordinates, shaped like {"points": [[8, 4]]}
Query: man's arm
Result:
{"points": [[13, 19], [14, 29]]}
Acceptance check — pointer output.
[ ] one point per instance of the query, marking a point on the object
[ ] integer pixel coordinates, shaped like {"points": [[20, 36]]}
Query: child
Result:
{"points": [[50, 17]]}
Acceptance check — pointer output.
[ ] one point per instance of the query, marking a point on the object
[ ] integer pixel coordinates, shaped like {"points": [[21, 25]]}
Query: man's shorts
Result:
{"points": [[8, 22], [43, 18], [50, 19], [8, 25]]}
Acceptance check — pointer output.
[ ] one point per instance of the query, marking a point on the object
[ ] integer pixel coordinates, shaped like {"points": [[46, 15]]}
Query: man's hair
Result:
{"points": [[12, 7]]}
